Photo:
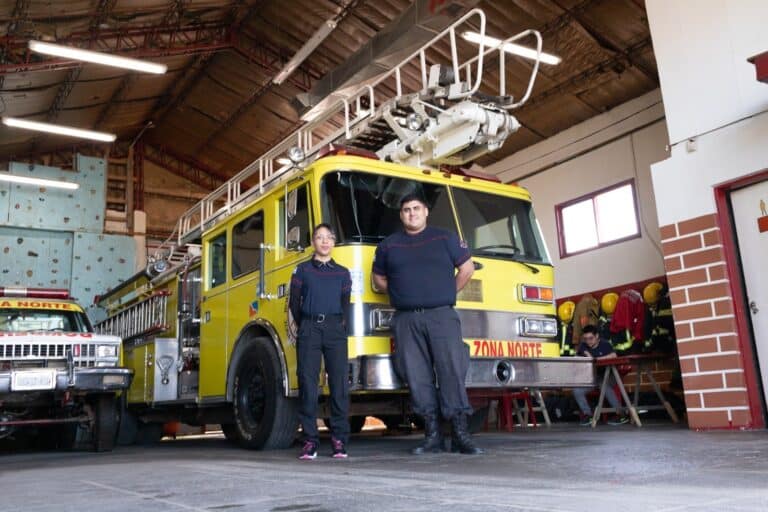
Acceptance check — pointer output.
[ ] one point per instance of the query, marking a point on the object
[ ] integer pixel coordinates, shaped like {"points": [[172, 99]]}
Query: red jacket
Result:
{"points": [[629, 314]]}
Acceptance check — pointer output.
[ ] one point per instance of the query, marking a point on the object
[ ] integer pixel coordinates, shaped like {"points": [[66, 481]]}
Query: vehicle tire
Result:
{"points": [[265, 419], [230, 432], [104, 423], [127, 425], [149, 433], [356, 424]]}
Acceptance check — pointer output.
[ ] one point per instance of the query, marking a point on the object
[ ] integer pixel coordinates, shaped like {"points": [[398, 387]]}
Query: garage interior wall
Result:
{"points": [[166, 198], [54, 238], [717, 114], [608, 149]]}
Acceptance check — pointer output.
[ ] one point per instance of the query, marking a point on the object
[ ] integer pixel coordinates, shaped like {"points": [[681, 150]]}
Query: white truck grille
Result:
{"points": [[83, 354]]}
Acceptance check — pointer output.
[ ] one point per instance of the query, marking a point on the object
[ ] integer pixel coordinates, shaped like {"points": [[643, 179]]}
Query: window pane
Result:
{"points": [[217, 251], [616, 216], [579, 228], [298, 230], [247, 237]]}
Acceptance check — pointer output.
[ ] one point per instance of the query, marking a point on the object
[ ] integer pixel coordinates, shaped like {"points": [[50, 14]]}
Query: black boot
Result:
{"points": [[461, 440], [433, 442]]}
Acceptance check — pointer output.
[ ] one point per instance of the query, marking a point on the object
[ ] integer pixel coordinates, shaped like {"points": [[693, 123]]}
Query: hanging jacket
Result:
{"points": [[629, 314], [585, 313]]}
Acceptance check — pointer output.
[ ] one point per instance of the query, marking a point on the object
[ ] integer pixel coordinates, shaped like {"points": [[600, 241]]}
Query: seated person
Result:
{"points": [[593, 347]]}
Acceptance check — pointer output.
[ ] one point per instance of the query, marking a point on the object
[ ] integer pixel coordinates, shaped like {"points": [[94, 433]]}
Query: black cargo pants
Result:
{"points": [[326, 339], [433, 359]]}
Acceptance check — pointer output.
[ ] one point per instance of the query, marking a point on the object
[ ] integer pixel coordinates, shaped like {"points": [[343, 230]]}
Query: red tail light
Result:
{"points": [[537, 294]]}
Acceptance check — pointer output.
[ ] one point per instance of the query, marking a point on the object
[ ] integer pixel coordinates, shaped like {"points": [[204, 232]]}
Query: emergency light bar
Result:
{"points": [[38, 293]]}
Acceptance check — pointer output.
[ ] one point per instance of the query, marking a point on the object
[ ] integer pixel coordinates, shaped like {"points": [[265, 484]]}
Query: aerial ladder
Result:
{"points": [[449, 115]]}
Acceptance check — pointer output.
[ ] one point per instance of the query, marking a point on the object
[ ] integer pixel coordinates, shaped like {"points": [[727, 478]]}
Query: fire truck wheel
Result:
{"points": [[104, 423], [265, 419]]}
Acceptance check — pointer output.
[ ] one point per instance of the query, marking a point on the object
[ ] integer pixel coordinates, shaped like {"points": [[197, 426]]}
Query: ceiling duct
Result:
{"points": [[412, 29]]}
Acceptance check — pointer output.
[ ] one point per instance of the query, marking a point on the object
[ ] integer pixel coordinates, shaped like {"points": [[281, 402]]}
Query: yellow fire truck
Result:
{"points": [[211, 340]]}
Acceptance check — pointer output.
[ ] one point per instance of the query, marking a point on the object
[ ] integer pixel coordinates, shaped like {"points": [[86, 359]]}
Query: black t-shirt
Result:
{"points": [[603, 348], [421, 269], [319, 288]]}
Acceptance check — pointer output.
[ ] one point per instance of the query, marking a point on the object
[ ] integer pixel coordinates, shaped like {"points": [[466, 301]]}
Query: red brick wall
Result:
{"points": [[710, 359]]}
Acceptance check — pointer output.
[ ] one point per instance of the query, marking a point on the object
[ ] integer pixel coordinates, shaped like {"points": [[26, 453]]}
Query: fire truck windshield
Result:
{"points": [[26, 320], [499, 226], [365, 207]]}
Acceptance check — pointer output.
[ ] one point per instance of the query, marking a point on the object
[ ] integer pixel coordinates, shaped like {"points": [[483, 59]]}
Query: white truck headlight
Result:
{"points": [[106, 351]]}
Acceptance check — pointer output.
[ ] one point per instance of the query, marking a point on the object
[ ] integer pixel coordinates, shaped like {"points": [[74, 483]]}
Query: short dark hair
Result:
{"points": [[407, 198], [321, 226], [589, 329]]}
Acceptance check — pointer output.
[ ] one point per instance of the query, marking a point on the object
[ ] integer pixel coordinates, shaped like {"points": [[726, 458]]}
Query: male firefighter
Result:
{"points": [[320, 290], [417, 266]]}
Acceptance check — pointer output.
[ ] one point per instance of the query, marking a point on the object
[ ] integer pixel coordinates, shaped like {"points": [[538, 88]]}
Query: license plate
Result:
{"points": [[33, 380]]}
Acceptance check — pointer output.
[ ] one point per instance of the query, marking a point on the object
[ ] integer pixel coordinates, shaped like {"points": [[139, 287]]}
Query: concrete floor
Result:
{"points": [[565, 468]]}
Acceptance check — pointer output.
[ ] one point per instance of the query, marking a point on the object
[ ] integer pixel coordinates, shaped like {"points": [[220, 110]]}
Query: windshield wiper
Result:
{"points": [[534, 270], [505, 255]]}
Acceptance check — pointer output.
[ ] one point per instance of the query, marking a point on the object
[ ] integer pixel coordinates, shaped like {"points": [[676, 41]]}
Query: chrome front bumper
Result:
{"points": [[377, 373], [82, 380]]}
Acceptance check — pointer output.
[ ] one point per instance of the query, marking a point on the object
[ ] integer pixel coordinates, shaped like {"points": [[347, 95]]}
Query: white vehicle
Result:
{"points": [[55, 372]]}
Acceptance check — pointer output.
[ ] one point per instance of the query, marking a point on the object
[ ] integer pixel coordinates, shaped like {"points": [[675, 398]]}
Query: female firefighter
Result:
{"points": [[320, 290]]}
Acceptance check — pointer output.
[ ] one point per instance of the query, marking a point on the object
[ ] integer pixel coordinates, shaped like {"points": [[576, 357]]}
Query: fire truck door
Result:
{"points": [[213, 328]]}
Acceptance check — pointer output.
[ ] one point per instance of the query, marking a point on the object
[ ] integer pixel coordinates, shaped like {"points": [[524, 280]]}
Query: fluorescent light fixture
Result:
{"points": [[26, 180], [105, 59], [521, 51], [312, 43], [58, 129]]}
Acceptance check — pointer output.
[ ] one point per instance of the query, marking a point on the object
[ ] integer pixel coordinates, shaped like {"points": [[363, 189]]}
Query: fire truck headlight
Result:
{"points": [[539, 327], [106, 351], [550, 327]]}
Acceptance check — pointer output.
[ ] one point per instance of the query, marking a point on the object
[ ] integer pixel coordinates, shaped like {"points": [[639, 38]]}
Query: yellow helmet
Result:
{"points": [[608, 302], [651, 292], [565, 311]]}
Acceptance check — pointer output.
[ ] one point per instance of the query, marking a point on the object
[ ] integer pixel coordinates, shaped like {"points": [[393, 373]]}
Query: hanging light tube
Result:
{"points": [[69, 131], [27, 180], [516, 49], [105, 59]]}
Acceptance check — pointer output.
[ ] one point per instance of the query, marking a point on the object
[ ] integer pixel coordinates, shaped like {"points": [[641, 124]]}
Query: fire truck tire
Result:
{"points": [[104, 423], [264, 419]]}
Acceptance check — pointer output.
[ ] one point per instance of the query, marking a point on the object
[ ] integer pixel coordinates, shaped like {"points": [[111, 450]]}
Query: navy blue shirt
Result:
{"points": [[603, 348], [421, 268], [319, 288]]}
